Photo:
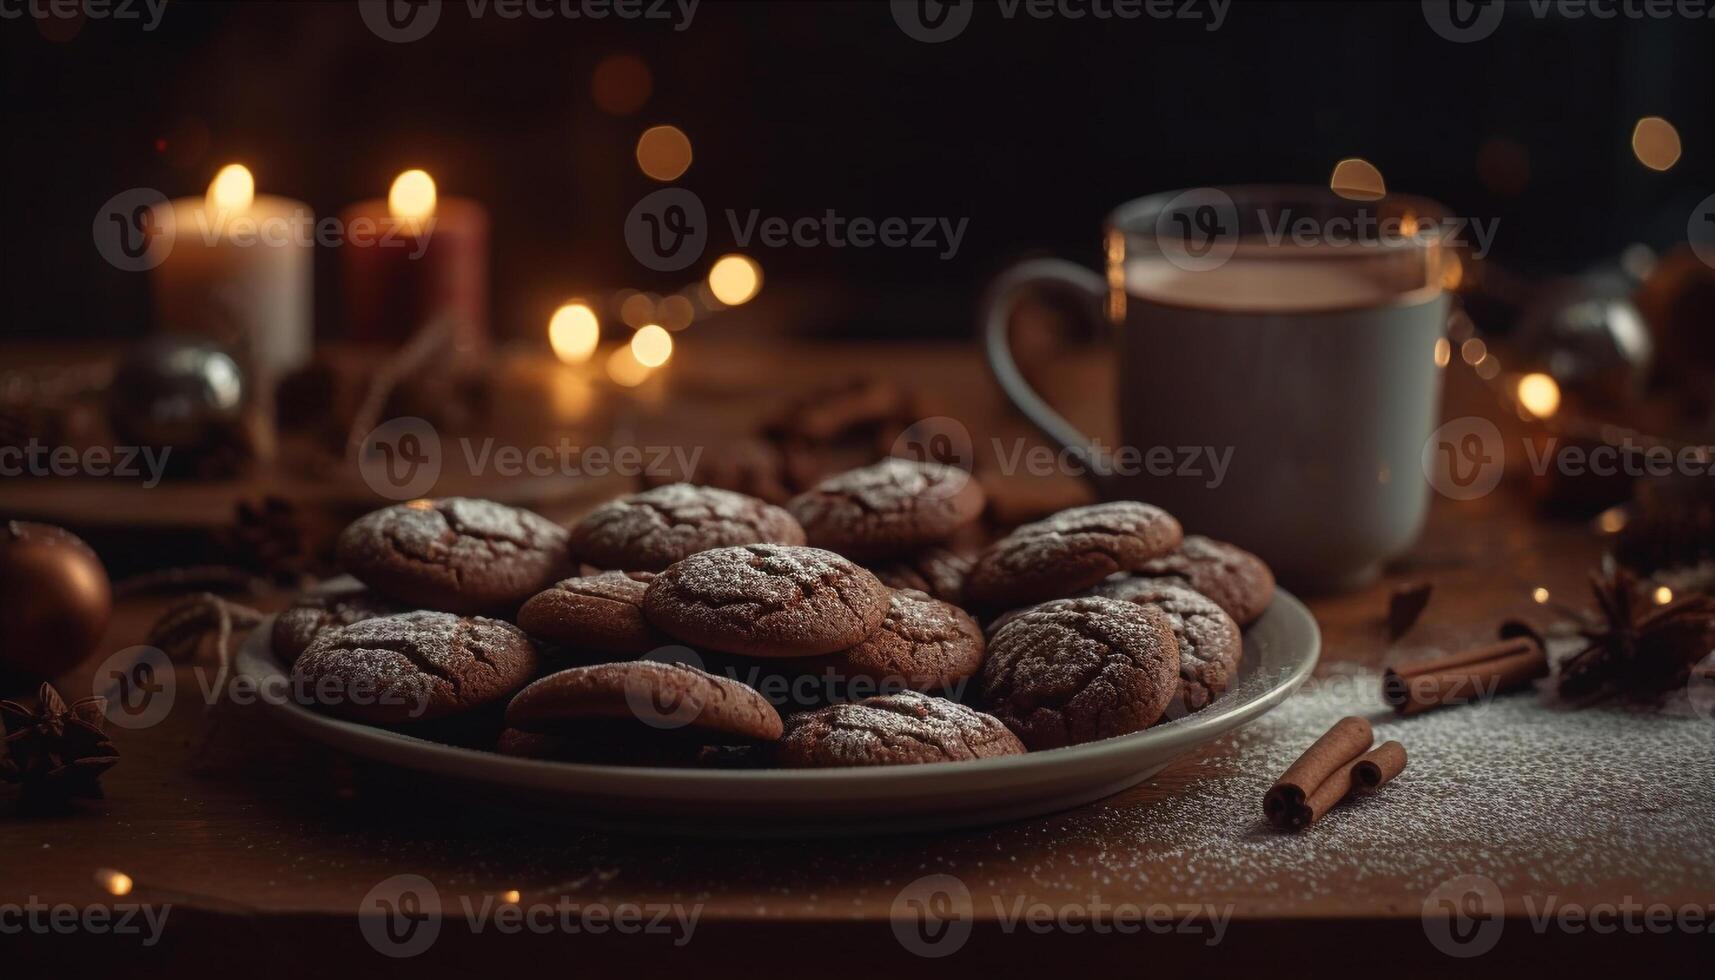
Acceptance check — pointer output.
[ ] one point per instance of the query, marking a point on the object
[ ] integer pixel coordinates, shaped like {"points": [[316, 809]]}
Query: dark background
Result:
{"points": [[1032, 129]]}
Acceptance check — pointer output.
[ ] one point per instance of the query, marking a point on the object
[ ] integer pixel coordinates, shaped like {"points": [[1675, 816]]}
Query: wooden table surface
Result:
{"points": [[265, 847]]}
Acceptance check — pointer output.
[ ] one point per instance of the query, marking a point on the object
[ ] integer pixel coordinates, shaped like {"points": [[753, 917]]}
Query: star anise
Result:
{"points": [[1636, 649], [56, 750]]}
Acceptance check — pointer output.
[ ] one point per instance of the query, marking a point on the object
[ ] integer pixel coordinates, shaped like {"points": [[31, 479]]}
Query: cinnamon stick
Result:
{"points": [[1297, 799], [1467, 676], [1379, 765]]}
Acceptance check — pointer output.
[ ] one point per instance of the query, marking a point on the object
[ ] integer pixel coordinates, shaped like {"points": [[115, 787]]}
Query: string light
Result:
{"points": [[1655, 143], [1539, 595], [735, 279], [116, 883], [413, 197], [675, 312], [624, 368], [1539, 395], [1357, 179], [637, 310], [1663, 595], [652, 346], [573, 332], [664, 152], [1612, 521], [510, 896]]}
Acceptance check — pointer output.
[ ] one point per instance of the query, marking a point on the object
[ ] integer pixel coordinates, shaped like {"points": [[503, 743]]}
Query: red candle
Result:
{"points": [[411, 258]]}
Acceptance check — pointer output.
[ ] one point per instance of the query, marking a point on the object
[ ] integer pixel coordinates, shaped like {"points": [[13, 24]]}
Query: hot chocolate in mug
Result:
{"points": [[1286, 331]]}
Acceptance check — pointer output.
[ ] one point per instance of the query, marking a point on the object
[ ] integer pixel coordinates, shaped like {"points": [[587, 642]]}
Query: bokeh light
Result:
{"points": [[114, 882], [573, 331], [1357, 179], [675, 312], [621, 84], [1539, 394], [1656, 143], [735, 279], [637, 309], [664, 152], [624, 368], [652, 345]]}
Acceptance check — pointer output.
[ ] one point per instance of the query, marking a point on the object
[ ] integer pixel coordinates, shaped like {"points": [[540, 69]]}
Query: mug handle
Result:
{"points": [[1043, 276]]}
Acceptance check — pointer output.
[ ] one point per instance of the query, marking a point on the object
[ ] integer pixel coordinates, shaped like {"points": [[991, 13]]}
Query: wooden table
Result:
{"points": [[266, 847]]}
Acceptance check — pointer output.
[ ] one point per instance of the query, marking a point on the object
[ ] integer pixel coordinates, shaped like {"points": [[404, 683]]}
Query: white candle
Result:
{"points": [[240, 272]]}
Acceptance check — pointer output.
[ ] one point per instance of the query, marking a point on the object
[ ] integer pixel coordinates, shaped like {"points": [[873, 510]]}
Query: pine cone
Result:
{"points": [[57, 750], [272, 537]]}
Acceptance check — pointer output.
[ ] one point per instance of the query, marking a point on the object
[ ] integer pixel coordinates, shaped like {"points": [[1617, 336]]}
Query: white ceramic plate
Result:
{"points": [[1280, 651]]}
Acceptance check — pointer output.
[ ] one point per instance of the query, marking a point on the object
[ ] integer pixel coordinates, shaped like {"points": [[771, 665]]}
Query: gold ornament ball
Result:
{"points": [[55, 600]]}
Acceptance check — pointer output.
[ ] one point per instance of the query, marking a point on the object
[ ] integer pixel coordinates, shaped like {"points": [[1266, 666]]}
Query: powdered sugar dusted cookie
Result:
{"points": [[601, 614], [1070, 552], [895, 729], [766, 600], [1210, 644], [416, 666], [1240, 582], [455, 554], [935, 570], [923, 644], [888, 509], [299, 624], [644, 699], [650, 530], [1078, 670]]}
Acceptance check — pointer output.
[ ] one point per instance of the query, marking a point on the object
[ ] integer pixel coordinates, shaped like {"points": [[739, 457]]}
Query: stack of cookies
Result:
{"points": [[689, 625]]}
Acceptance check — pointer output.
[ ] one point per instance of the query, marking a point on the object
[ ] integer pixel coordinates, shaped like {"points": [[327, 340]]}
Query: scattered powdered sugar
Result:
{"points": [[1535, 794]]}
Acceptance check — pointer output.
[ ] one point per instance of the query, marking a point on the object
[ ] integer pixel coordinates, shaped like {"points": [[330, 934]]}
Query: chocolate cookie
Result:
{"points": [[416, 666], [896, 729], [1078, 670], [923, 644], [600, 614], [643, 699], [299, 624], [934, 570], [767, 600], [1210, 644], [1240, 582], [611, 749], [888, 509], [1069, 552], [650, 530], [455, 554]]}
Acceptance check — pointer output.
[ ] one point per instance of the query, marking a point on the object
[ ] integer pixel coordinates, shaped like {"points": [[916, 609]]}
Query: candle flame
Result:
{"points": [[233, 189], [412, 197], [573, 332], [652, 346]]}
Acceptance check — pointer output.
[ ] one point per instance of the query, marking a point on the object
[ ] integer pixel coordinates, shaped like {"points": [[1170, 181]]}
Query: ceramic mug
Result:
{"points": [[1287, 335]]}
